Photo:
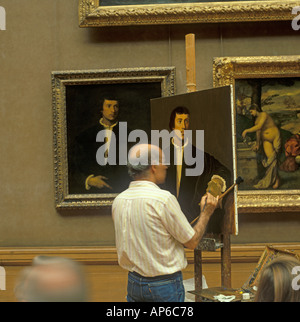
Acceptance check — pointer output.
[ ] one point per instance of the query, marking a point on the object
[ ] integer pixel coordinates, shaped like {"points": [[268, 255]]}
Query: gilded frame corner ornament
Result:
{"points": [[226, 70], [91, 14], [165, 76]]}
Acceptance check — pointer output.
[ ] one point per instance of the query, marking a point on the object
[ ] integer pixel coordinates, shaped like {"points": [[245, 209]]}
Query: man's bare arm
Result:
{"points": [[210, 203]]}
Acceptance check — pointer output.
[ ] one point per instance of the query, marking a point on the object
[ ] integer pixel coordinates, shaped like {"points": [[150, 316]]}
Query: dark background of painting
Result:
{"points": [[83, 107], [210, 110]]}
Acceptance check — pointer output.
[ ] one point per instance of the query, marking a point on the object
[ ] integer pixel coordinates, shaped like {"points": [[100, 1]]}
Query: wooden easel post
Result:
{"points": [[190, 62], [227, 230], [226, 261], [225, 235], [191, 87]]}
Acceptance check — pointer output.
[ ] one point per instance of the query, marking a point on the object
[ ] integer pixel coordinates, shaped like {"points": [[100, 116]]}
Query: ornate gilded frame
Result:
{"points": [[60, 80], [225, 72], [91, 14]]}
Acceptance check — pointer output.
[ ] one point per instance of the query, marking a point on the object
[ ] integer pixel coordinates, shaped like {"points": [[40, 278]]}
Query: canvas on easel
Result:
{"points": [[210, 111]]}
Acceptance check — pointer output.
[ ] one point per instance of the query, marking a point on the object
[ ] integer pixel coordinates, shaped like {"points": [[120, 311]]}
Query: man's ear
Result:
{"points": [[153, 168]]}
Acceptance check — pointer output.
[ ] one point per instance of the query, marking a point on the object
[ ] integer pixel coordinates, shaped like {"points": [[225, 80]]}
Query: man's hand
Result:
{"points": [[98, 182], [210, 203]]}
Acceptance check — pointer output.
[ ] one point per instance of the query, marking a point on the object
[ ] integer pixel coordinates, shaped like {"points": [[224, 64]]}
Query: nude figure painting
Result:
{"points": [[268, 132]]}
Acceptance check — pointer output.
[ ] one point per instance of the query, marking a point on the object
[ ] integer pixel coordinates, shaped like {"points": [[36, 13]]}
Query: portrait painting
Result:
{"points": [[208, 115], [267, 121], [89, 104]]}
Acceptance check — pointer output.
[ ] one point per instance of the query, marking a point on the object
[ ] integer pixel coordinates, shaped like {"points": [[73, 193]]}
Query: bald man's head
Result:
{"points": [[141, 157]]}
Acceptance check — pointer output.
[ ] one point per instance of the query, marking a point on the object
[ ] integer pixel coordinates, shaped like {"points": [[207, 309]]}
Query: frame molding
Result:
{"points": [[63, 200], [91, 14], [97, 255], [225, 71]]}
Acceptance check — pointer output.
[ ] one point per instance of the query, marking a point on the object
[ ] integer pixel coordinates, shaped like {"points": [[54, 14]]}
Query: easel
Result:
{"points": [[214, 242]]}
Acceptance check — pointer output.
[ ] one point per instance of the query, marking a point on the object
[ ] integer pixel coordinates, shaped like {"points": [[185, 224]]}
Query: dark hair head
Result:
{"points": [[109, 97], [275, 283], [177, 110]]}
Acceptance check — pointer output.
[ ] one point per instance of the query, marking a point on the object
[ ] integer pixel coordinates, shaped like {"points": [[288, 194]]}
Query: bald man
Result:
{"points": [[151, 230]]}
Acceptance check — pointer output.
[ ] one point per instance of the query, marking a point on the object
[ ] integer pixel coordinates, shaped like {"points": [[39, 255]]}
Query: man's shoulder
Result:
{"points": [[167, 194], [145, 192], [162, 196], [121, 195]]}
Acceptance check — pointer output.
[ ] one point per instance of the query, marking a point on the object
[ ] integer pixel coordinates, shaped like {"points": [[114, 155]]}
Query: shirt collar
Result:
{"points": [[107, 126], [143, 183], [178, 146]]}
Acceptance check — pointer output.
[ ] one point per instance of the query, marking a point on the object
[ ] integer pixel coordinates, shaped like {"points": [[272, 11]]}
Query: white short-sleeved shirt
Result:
{"points": [[150, 230]]}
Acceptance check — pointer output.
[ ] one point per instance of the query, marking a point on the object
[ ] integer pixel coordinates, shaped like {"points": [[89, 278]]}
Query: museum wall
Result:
{"points": [[43, 36]]}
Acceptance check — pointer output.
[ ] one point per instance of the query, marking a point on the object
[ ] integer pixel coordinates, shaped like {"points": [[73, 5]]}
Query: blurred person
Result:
{"points": [[275, 283], [52, 279], [151, 230]]}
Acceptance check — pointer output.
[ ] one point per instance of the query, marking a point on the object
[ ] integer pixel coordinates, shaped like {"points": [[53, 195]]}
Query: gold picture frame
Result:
{"points": [[230, 71], [92, 14], [270, 253], [76, 97]]}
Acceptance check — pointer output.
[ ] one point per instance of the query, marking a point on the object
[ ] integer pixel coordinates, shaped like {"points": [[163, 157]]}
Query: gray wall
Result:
{"points": [[43, 36]]}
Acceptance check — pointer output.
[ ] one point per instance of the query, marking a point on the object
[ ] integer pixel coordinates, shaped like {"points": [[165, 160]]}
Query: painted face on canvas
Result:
{"points": [[181, 123], [110, 111]]}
